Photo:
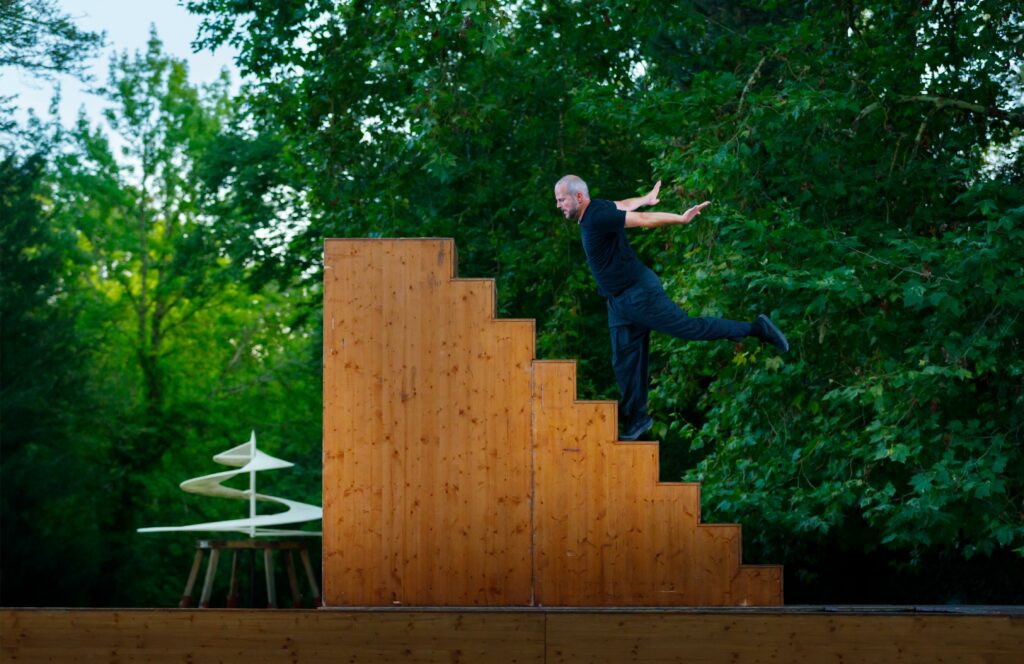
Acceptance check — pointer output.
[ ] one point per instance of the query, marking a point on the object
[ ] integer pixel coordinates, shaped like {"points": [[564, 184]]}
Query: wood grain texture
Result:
{"points": [[426, 431], [270, 636], [458, 471], [606, 533], [783, 638], [524, 636]]}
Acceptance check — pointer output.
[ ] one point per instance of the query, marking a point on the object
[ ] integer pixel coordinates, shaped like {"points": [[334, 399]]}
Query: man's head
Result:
{"points": [[571, 194]]}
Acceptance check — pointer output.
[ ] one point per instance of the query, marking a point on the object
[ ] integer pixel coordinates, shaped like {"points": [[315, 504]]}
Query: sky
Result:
{"points": [[127, 24]]}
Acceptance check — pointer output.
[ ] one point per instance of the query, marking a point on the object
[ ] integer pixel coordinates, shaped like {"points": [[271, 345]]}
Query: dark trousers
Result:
{"points": [[632, 314]]}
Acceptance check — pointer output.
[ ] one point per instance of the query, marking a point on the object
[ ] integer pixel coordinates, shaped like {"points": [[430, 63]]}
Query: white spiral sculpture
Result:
{"points": [[247, 459]]}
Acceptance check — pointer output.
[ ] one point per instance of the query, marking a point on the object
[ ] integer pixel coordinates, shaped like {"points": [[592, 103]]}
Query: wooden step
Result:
{"points": [[460, 471], [606, 531], [427, 457]]}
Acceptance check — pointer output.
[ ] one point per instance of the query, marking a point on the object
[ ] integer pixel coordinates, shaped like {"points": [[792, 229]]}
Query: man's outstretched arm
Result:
{"points": [[630, 204], [655, 219]]}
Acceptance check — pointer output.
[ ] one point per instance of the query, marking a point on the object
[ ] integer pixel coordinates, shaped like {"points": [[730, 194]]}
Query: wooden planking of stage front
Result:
{"points": [[535, 636]]}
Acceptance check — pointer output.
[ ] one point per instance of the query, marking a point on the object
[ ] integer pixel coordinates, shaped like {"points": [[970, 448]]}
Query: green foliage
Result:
{"points": [[139, 350], [854, 203], [867, 182], [48, 464], [38, 37], [412, 119], [845, 148], [42, 401]]}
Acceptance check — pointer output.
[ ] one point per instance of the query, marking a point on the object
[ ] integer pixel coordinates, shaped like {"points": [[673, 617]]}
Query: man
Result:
{"points": [[637, 303]]}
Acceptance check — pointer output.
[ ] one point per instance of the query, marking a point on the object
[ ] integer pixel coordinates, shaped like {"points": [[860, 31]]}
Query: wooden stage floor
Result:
{"points": [[536, 635]]}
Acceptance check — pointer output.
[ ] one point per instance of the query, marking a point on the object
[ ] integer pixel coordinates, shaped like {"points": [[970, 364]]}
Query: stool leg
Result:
{"points": [[293, 581], [311, 577], [252, 578], [268, 567], [233, 586], [211, 572], [186, 597]]}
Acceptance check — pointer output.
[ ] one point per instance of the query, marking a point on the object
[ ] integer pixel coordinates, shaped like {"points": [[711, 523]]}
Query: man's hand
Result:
{"points": [[652, 196], [694, 211]]}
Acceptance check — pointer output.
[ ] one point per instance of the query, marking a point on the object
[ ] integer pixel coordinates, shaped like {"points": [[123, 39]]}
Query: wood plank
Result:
{"points": [[606, 532], [426, 432], [739, 638], [459, 472], [269, 636], [525, 636], [755, 585]]}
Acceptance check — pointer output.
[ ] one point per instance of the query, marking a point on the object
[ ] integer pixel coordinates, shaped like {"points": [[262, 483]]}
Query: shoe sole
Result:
{"points": [[644, 429], [775, 332]]}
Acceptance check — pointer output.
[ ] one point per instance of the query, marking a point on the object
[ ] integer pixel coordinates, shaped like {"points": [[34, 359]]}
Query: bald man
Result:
{"points": [[636, 301]]}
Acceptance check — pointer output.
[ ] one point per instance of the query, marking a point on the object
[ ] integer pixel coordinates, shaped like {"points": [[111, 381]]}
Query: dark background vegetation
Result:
{"points": [[865, 166]]}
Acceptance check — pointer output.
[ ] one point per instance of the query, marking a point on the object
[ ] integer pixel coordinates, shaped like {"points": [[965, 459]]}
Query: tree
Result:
{"points": [[38, 38], [133, 345], [417, 119], [849, 169], [50, 468], [42, 364], [844, 146], [153, 270]]}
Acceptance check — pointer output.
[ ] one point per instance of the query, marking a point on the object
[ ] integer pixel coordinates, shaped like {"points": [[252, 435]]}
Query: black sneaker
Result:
{"points": [[765, 330], [638, 429]]}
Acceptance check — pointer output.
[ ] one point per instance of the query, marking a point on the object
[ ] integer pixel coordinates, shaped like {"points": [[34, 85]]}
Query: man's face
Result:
{"points": [[568, 204]]}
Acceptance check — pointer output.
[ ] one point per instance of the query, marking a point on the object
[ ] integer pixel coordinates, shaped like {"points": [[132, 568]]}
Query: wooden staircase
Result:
{"points": [[461, 471]]}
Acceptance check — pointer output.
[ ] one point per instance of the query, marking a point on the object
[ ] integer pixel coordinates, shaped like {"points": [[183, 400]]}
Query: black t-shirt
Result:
{"points": [[612, 261]]}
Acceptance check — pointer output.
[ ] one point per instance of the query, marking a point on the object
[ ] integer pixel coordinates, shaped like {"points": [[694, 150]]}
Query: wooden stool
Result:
{"points": [[268, 547]]}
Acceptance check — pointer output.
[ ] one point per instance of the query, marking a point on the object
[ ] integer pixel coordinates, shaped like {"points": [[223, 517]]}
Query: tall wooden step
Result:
{"points": [[459, 471], [427, 466]]}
